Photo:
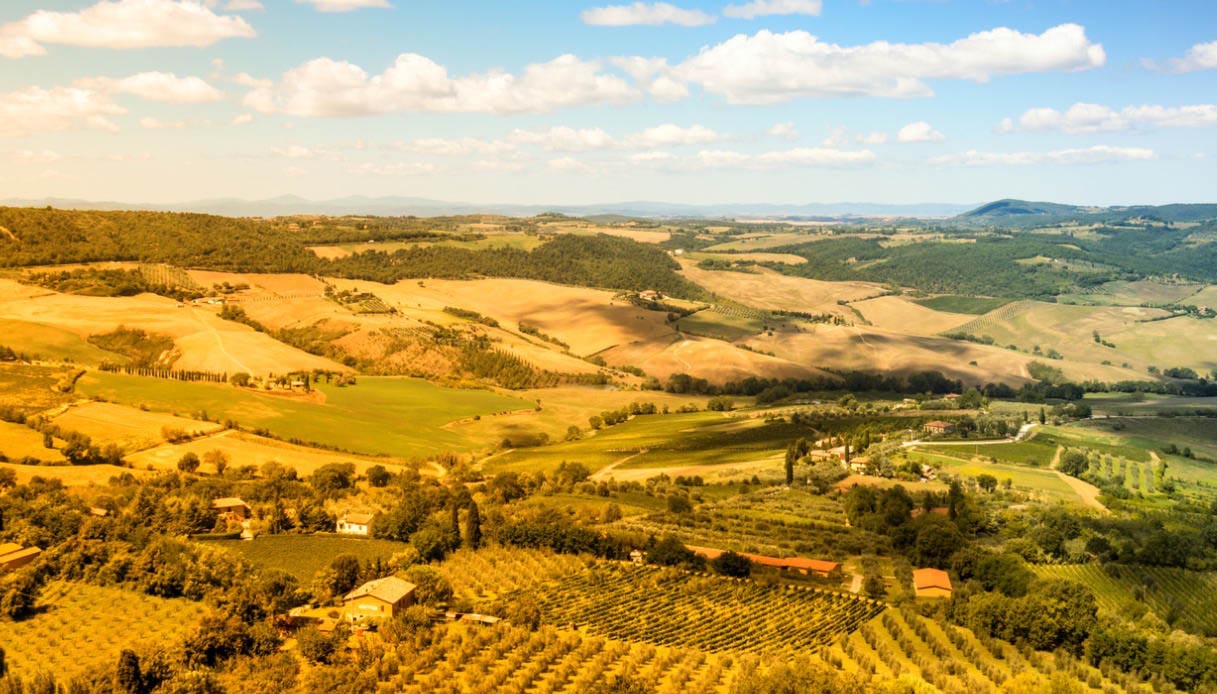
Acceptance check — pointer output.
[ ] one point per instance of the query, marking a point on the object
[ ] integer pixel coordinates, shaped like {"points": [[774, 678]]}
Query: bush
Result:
{"points": [[732, 564]]}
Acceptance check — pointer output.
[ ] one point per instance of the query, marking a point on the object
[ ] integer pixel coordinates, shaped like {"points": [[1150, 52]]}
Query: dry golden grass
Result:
{"points": [[206, 342], [902, 315], [713, 360], [774, 292], [19, 441], [587, 228], [130, 428], [71, 475], [246, 449], [786, 258]]}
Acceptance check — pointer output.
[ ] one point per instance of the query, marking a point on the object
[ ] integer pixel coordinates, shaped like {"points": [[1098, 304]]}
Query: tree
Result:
{"points": [[240, 379], [378, 476], [3, 665], [473, 526], [318, 647], [431, 588], [670, 551], [346, 574], [986, 482], [936, 542], [217, 459], [732, 564], [678, 503], [127, 677], [1043, 416], [1074, 463], [874, 587], [790, 465], [188, 463]]}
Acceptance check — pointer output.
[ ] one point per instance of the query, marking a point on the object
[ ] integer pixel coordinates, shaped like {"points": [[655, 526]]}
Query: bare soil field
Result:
{"points": [[206, 342], [901, 315], [246, 449], [130, 428], [771, 291]]}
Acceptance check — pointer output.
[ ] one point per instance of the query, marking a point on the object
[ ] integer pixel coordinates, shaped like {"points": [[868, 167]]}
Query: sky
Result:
{"points": [[741, 101]]}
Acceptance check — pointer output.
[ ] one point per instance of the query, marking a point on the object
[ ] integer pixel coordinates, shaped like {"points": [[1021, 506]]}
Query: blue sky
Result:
{"points": [[897, 101]]}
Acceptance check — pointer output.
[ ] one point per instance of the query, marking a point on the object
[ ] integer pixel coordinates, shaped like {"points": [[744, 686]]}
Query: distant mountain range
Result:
{"points": [[424, 207], [1007, 212]]}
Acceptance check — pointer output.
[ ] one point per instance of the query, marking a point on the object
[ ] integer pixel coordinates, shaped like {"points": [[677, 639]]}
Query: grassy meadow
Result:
{"points": [[303, 555], [401, 417]]}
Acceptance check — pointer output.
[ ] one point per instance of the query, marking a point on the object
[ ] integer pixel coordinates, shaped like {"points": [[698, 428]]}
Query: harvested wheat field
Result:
{"points": [[901, 315], [129, 428], [589, 320], [588, 228], [205, 341], [771, 291], [246, 449], [71, 475], [713, 360], [18, 441]]}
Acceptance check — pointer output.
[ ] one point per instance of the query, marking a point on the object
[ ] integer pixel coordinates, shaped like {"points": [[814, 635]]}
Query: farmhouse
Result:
{"points": [[938, 427], [355, 524], [650, 295], [931, 583], [14, 556], [379, 599], [231, 508], [806, 567]]}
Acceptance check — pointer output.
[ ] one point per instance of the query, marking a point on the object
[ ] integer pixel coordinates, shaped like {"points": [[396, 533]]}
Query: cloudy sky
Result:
{"points": [[898, 101]]}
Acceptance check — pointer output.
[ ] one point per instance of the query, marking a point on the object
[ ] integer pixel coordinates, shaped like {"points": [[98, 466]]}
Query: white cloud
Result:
{"points": [[670, 135], [644, 13], [242, 5], [243, 119], [798, 157], [1202, 56], [122, 24], [771, 68], [1089, 155], [872, 138], [786, 131], [35, 109], [842, 137], [569, 165], [651, 157], [157, 86], [149, 123], [456, 147], [564, 139], [762, 8], [392, 169], [326, 87], [296, 152], [499, 164], [654, 75], [344, 5], [1082, 118], [920, 131], [44, 156]]}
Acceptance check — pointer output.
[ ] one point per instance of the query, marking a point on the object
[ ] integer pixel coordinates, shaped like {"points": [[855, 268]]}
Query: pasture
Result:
{"points": [[400, 417], [1136, 293], [129, 428], [1043, 484], [901, 315], [49, 343], [770, 291], [673, 441], [304, 555], [81, 629], [969, 305], [71, 475], [242, 448], [30, 389]]}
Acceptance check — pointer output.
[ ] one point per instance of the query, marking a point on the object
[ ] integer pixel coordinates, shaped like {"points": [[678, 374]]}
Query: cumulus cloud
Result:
{"points": [[344, 5], [391, 169], [1202, 56], [653, 75], [671, 135], [122, 24], [35, 109], [569, 165], [920, 131], [842, 137], [762, 8], [785, 131], [327, 87], [768, 68], [644, 13], [165, 87], [1089, 155], [45, 156], [243, 119], [1082, 118]]}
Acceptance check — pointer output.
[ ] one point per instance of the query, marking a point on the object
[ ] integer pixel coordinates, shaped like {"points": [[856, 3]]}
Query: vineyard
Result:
{"points": [[167, 276], [107, 619], [666, 607], [1181, 598]]}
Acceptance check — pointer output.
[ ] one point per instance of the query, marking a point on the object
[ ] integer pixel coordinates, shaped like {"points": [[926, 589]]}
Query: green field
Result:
{"points": [[674, 440], [1145, 404], [1094, 439], [1138, 293], [1155, 433], [80, 629], [1031, 480], [47, 342], [1183, 599], [303, 555], [721, 326], [381, 415], [971, 305], [1033, 453]]}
